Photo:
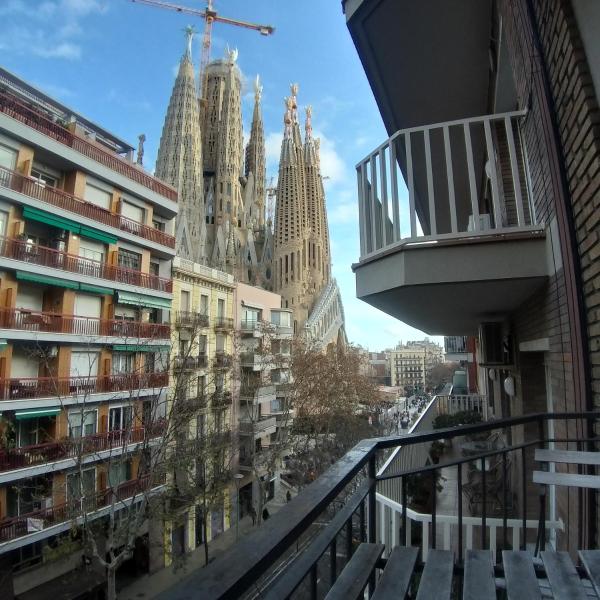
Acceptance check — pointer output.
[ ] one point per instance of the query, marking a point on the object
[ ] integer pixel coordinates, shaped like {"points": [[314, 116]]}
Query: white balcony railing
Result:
{"points": [[464, 402], [463, 178]]}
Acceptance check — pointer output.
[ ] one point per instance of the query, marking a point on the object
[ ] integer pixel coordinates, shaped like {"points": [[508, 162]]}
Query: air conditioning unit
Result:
{"points": [[495, 343]]}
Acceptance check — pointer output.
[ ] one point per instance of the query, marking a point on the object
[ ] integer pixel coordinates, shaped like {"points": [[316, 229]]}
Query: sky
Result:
{"points": [[115, 62]]}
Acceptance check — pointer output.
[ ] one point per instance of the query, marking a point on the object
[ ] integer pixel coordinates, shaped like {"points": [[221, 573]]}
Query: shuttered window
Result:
{"points": [[97, 196], [87, 305], [133, 212]]}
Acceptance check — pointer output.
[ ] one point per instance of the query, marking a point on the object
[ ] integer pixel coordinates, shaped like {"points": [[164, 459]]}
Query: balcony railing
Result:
{"points": [[188, 318], [221, 399], [34, 118], [258, 426], [22, 388], [464, 402], [189, 363], [22, 250], [250, 325], [29, 456], [65, 201], [222, 360], [446, 168], [16, 527], [47, 322], [224, 323], [357, 515]]}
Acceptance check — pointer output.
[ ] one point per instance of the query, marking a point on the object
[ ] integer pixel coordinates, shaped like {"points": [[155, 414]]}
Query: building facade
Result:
{"points": [[517, 135], [201, 392], [411, 363], [264, 372], [85, 292]]}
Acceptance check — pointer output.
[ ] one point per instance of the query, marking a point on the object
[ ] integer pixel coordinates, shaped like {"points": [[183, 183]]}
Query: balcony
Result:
{"points": [[344, 509], [223, 324], [447, 232], [221, 399], [65, 201], [23, 388], [251, 327], [38, 454], [259, 427], [21, 250], [36, 521], [34, 118], [222, 360], [23, 319], [190, 363], [186, 318], [256, 360], [257, 394], [454, 403]]}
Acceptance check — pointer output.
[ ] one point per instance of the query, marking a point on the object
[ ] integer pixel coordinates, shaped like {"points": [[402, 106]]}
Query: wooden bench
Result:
{"points": [[569, 457]]}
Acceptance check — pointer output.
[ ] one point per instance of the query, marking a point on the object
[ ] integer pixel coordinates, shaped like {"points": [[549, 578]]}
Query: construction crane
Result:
{"points": [[271, 199], [210, 16]]}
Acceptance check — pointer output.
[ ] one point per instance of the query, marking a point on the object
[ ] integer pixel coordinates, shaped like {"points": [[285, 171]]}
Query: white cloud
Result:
{"points": [[61, 50]]}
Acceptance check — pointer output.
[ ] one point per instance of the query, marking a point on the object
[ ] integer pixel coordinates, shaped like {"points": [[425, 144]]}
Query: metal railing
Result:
{"points": [[222, 360], [258, 426], [35, 189], [446, 168], [16, 527], [225, 323], [21, 388], [190, 318], [250, 325], [25, 251], [190, 362], [353, 482], [454, 403], [29, 456], [25, 319], [34, 118]]}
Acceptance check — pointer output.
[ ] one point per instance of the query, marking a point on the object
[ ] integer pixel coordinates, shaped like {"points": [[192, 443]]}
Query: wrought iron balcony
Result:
{"points": [[221, 398], [354, 494], [29, 456], [65, 201], [222, 360], [15, 527], [24, 319], [250, 326], [21, 388], [186, 318], [32, 117], [190, 363], [24, 251], [223, 323]]}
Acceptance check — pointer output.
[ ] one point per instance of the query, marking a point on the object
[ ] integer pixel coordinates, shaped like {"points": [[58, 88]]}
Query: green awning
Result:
{"points": [[141, 300], [140, 348], [95, 289], [54, 281], [3, 344], [98, 235], [57, 221], [34, 413], [50, 219]]}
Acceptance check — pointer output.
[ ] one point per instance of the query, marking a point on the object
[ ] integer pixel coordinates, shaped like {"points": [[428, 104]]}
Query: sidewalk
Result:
{"points": [[149, 586]]}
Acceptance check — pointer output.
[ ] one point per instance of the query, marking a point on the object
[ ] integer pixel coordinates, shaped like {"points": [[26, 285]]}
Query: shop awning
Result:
{"points": [[141, 300], [73, 226], [34, 413], [95, 289]]}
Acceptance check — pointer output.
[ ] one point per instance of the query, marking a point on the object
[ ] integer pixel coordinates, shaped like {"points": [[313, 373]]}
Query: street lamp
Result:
{"points": [[237, 477]]}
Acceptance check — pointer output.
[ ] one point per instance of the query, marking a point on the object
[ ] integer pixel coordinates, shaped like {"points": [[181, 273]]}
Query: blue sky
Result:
{"points": [[115, 62]]}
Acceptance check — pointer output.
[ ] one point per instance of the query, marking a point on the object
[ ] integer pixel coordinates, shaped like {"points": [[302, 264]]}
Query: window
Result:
{"points": [[81, 485], [123, 362], [119, 418], [204, 304], [125, 313], [43, 180], [8, 158], [97, 196], [202, 343], [283, 319], [129, 259], [133, 212], [3, 222], [220, 339], [220, 308], [91, 250], [118, 473], [184, 301], [82, 423], [154, 268], [251, 316], [158, 225], [84, 364]]}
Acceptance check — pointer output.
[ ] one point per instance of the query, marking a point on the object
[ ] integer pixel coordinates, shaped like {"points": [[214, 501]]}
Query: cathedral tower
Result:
{"points": [[179, 160]]}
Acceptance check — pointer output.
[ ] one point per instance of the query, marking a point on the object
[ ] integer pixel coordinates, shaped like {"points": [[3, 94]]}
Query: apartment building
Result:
{"points": [[86, 247], [498, 235], [411, 363], [265, 338], [462, 349], [201, 367]]}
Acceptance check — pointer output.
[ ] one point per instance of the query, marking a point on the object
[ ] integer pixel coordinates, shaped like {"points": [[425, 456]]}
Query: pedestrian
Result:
{"points": [[288, 496], [265, 514], [252, 512]]}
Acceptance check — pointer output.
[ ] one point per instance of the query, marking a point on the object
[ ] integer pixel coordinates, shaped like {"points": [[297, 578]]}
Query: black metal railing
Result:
{"points": [[348, 493]]}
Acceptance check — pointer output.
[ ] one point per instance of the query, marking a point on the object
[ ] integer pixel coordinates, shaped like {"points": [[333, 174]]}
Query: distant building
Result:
{"points": [[411, 363]]}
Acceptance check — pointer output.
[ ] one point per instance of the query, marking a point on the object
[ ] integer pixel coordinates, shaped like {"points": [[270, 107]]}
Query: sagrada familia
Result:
{"points": [[222, 220]]}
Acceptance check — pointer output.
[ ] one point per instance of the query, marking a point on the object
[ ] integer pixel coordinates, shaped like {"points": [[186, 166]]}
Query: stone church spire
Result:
{"points": [[318, 237], [255, 160], [179, 160]]}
